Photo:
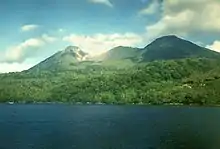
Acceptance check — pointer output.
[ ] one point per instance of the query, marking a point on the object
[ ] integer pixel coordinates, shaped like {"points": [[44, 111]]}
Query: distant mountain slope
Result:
{"points": [[120, 53], [164, 48], [62, 60], [172, 47]]}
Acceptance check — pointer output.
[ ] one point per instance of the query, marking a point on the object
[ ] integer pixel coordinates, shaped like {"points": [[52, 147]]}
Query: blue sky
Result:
{"points": [[31, 30]]}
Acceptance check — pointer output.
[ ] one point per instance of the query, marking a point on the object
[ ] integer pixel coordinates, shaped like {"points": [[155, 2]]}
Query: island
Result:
{"points": [[168, 71]]}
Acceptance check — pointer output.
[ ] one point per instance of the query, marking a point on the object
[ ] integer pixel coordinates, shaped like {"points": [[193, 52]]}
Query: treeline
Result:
{"points": [[186, 81]]}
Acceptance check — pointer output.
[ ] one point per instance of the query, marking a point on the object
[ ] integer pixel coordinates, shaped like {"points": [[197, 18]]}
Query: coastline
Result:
{"points": [[108, 104]]}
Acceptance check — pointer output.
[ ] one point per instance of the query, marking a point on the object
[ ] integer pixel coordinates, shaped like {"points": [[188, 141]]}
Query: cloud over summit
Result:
{"points": [[99, 43], [185, 17]]}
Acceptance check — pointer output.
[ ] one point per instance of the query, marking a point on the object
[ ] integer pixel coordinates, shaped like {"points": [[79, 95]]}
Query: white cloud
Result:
{"points": [[26, 49], [48, 38], [215, 46], [100, 43], [104, 2], [14, 67], [29, 27], [152, 8], [184, 17], [18, 52]]}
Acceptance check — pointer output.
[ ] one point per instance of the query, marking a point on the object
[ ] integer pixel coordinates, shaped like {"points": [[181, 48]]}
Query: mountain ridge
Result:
{"points": [[163, 48]]}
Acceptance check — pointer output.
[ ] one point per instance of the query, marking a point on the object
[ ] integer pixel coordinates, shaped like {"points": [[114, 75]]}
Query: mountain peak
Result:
{"points": [[168, 38], [62, 60], [72, 49], [173, 47], [75, 52]]}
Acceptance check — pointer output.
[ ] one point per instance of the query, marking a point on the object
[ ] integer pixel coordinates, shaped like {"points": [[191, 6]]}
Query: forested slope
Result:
{"points": [[183, 81]]}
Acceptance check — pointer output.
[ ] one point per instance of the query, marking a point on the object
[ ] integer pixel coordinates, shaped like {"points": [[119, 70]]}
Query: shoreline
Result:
{"points": [[107, 104]]}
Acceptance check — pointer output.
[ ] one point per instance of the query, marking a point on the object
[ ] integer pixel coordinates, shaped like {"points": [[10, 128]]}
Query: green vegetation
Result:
{"points": [[184, 81]]}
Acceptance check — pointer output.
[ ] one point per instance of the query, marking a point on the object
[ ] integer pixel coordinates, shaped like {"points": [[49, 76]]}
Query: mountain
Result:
{"points": [[172, 47], [62, 60], [163, 48]]}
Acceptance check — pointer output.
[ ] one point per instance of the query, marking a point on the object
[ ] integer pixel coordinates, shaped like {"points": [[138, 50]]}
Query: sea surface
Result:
{"points": [[108, 127]]}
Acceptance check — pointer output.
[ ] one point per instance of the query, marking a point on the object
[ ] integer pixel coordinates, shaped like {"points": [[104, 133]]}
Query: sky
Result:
{"points": [[32, 30]]}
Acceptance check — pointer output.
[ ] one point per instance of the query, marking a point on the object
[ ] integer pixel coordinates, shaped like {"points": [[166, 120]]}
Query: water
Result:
{"points": [[108, 127]]}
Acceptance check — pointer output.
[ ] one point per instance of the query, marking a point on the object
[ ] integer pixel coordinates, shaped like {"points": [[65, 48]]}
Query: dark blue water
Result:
{"points": [[108, 127]]}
